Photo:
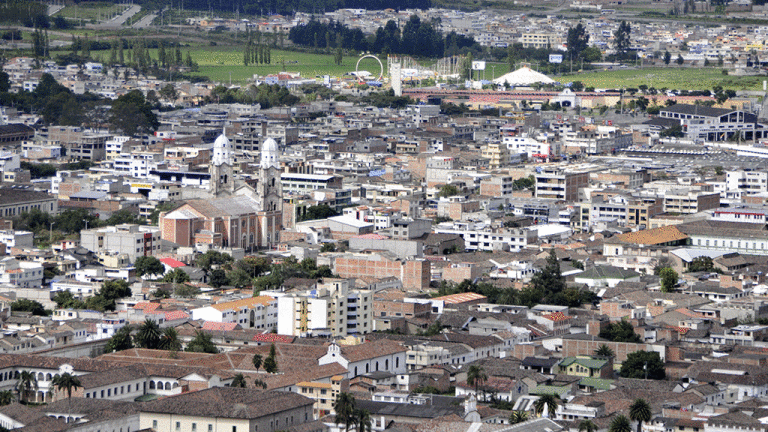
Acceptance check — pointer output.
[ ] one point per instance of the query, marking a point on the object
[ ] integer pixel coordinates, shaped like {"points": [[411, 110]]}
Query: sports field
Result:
{"points": [[92, 10], [683, 78]]}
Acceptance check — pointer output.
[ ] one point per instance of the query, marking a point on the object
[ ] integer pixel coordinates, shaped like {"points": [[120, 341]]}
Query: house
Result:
{"points": [[587, 366]]}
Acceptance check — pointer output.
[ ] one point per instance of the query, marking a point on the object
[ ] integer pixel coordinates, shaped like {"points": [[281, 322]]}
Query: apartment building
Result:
{"points": [[295, 182], [687, 201], [333, 309], [747, 181], [537, 40], [560, 184], [258, 313], [23, 274], [132, 240], [481, 238]]}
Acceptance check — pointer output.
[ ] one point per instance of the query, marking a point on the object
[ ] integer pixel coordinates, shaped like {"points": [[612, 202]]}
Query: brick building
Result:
{"points": [[415, 274]]}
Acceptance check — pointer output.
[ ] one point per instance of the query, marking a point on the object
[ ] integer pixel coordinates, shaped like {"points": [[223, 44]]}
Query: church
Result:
{"points": [[237, 215]]}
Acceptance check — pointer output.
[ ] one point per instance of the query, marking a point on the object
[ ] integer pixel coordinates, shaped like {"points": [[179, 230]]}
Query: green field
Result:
{"points": [[671, 78]]}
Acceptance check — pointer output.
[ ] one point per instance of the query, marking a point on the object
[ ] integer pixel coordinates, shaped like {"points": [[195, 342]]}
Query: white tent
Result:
{"points": [[523, 77]]}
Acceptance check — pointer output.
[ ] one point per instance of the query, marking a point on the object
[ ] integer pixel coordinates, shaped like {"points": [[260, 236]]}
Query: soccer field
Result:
{"points": [[672, 78]]}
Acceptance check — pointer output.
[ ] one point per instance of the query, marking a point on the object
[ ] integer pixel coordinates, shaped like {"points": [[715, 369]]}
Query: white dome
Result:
{"points": [[221, 142], [269, 153]]}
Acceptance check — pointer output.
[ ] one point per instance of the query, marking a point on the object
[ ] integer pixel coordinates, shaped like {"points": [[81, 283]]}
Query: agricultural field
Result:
{"points": [[688, 78]]}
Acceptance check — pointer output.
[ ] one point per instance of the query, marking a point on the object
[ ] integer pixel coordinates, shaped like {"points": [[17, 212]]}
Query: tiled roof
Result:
{"points": [[146, 306], [176, 315], [228, 402], [172, 263], [371, 237], [461, 298], [596, 383], [273, 338], [653, 236], [557, 316], [211, 325], [586, 362], [244, 303]]}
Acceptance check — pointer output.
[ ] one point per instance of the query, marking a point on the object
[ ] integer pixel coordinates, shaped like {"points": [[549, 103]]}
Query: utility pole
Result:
{"points": [[50, 239]]}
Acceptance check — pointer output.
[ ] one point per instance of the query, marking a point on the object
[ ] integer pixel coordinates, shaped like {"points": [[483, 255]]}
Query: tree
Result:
{"points": [[640, 412], [518, 416], [176, 276], [577, 40], [257, 361], [587, 426], [270, 363], [202, 343], [6, 397], [148, 335], [120, 341], [344, 407], [621, 331], [548, 401], [169, 340], [620, 423], [363, 420], [26, 383], [218, 278], [169, 92], [621, 38], [322, 211], [701, 264], [476, 376], [66, 382], [239, 381], [641, 363], [27, 305], [669, 279], [148, 265], [549, 281], [132, 114], [448, 191], [604, 351], [680, 59], [212, 259], [260, 383]]}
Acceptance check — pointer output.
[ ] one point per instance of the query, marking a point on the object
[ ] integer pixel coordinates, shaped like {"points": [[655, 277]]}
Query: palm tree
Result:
{"points": [[169, 340], [549, 401], [475, 376], [518, 417], [238, 381], [6, 397], [604, 351], [257, 360], [27, 381], [640, 412], [344, 407], [587, 426], [363, 420], [260, 383], [148, 335], [68, 382], [620, 423]]}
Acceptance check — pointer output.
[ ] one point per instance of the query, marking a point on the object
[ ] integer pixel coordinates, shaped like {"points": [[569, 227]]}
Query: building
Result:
{"points": [[237, 216], [479, 238], [23, 274], [17, 200], [323, 393], [537, 40], [129, 239], [560, 184], [255, 312], [414, 273], [690, 201], [714, 124], [744, 238], [296, 182], [332, 309], [227, 409]]}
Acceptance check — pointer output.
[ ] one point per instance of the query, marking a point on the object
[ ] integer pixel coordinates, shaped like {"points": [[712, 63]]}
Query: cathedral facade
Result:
{"points": [[236, 216]]}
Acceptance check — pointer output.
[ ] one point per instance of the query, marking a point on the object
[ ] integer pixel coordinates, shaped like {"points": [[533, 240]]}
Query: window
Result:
{"points": [[178, 426], [234, 428], [210, 428], [154, 424], [194, 427]]}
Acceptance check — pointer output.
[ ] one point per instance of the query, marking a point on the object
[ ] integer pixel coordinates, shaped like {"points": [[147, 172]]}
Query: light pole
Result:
{"points": [[493, 72], [86, 223], [50, 239]]}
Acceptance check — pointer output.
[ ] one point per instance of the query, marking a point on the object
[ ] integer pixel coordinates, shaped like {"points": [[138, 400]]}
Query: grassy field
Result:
{"points": [[91, 11], [671, 78]]}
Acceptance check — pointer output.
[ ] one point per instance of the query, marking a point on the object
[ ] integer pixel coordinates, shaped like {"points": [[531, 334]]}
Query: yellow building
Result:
{"points": [[324, 394], [497, 155]]}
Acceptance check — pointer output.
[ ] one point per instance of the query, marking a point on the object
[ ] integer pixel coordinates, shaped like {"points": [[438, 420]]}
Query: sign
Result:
{"points": [[555, 58], [478, 65]]}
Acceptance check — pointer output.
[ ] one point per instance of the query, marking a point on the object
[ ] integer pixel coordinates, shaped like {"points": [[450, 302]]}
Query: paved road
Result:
{"points": [[52, 9], [122, 18], [145, 22]]}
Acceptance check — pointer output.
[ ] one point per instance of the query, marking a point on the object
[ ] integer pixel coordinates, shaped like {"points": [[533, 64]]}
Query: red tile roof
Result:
{"points": [[172, 263], [557, 316], [273, 338], [217, 326], [146, 306]]}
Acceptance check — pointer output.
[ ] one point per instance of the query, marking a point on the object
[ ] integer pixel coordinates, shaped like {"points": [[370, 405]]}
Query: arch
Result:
{"points": [[48, 377], [377, 365], [367, 367], [151, 385], [381, 66], [397, 362], [167, 386], [355, 370], [175, 385], [386, 364], [40, 376]]}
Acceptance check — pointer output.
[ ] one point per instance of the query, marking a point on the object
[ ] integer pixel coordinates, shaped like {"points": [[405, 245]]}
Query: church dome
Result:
{"points": [[269, 153], [221, 142]]}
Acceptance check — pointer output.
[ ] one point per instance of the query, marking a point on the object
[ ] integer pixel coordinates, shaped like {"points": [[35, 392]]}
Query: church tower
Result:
{"points": [[269, 192], [222, 181]]}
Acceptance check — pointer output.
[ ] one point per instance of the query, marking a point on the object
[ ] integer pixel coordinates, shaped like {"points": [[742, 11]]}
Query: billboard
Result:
{"points": [[555, 58], [478, 65]]}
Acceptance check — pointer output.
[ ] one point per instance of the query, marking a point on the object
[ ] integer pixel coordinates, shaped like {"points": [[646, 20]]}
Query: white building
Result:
{"points": [[479, 237], [254, 312], [23, 274], [17, 239]]}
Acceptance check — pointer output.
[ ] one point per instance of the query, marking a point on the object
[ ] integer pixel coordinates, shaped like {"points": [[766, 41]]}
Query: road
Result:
{"points": [[120, 19], [52, 9], [145, 22]]}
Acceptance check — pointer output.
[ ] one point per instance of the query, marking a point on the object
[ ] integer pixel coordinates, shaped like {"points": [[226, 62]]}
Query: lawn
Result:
{"points": [[671, 78]]}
